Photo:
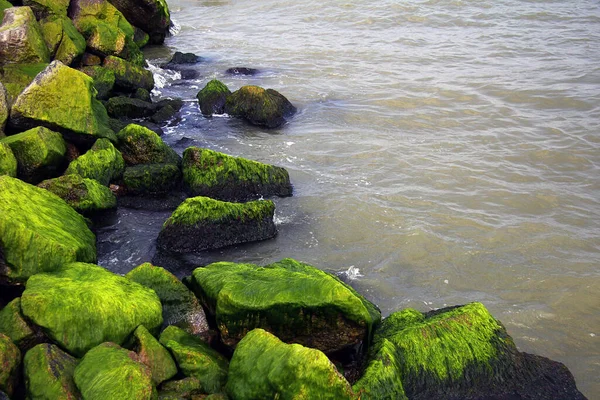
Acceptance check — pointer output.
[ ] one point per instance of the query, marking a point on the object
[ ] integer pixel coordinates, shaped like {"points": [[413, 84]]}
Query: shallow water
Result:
{"points": [[449, 150]]}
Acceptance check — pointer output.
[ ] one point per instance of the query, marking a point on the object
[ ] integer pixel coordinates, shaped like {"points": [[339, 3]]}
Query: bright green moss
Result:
{"points": [[39, 231], [13, 325], [154, 355], [16, 77], [196, 358], [104, 79], [180, 389], [128, 75], [103, 162], [263, 367], [49, 373], [8, 162], [83, 194], [48, 7], [25, 43], [108, 372], [64, 42], [82, 305], [10, 360], [140, 145], [4, 4], [212, 97]]}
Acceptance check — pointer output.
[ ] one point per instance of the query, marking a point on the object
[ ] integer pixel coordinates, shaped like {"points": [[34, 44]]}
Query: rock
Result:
{"points": [[104, 80], [460, 352], [140, 145], [82, 305], [142, 94], [40, 153], [164, 114], [175, 103], [21, 39], [39, 232], [220, 176], [14, 325], [202, 223], [49, 373], [64, 42], [4, 4], [263, 367], [183, 58], [151, 353], [294, 301], [103, 162], [140, 37], [151, 179], [4, 109], [129, 76], [62, 99], [196, 359], [260, 107], [181, 389], [122, 106], [212, 98], [152, 16], [109, 372], [90, 60], [83, 194], [8, 162], [180, 307], [10, 360], [45, 8], [16, 77], [242, 71]]}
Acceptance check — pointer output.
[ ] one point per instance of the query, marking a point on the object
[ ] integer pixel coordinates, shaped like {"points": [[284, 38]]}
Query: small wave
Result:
{"points": [[175, 28], [352, 273]]}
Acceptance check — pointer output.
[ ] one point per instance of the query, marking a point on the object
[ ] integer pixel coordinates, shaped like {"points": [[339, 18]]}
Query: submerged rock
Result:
{"points": [[49, 373], [263, 367], [258, 106], [183, 58], [21, 39], [83, 194], [212, 97], [202, 223], [154, 355], [140, 145], [242, 71], [10, 361], [103, 163], [8, 162]]}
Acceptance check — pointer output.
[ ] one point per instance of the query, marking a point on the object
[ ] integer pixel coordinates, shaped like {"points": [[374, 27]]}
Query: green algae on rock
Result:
{"points": [[151, 178], [82, 305], [295, 301], [258, 106], [212, 98], [104, 79], [21, 39], [64, 42], [8, 162], [154, 355], [13, 325], [39, 231], [152, 16], [4, 109], [196, 358], [103, 162], [223, 177], [109, 372], [49, 373], [140, 145], [180, 389], [129, 76], [180, 307], [123, 106], [263, 367], [44, 8], [202, 223], [83, 194], [10, 361], [16, 77]]}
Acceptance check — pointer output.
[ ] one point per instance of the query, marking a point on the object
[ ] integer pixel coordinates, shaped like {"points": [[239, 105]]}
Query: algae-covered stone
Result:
{"points": [[39, 231], [13, 325], [64, 42], [104, 79], [180, 389], [212, 98], [4, 4], [202, 223], [103, 162], [154, 355], [258, 106], [129, 76], [180, 307], [220, 176], [4, 109], [44, 8], [16, 77], [40, 153], [82, 305], [196, 358], [295, 301], [263, 367], [152, 16], [62, 99], [49, 373], [151, 178], [83, 194], [140, 145], [21, 39], [109, 372], [122, 106], [8, 162], [10, 360]]}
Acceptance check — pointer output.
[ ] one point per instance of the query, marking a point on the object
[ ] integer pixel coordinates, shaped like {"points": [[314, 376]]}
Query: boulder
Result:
{"points": [[4, 4], [295, 301], [21, 39], [180, 307], [4, 109], [89, 59], [142, 94], [223, 177], [103, 162], [151, 353], [39, 231], [82, 305], [258, 106], [83, 194], [45, 8], [180, 389], [152, 16], [151, 179], [62, 99], [49, 373], [164, 114], [242, 71], [183, 58], [457, 353], [140, 145], [128, 107], [14, 325], [10, 361], [16, 77], [129, 76], [64, 42], [202, 223], [8, 162], [40, 153], [104, 79], [212, 97], [264, 367], [109, 372], [196, 359]]}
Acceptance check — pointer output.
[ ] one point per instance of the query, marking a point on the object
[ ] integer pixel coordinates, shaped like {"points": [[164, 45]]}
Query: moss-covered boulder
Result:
{"points": [[129, 76], [152, 16], [21, 39], [49, 373], [83, 194], [196, 359], [180, 389], [264, 367], [109, 372], [258, 106], [151, 178], [8, 162], [180, 307], [4, 4], [202, 223], [10, 361], [212, 97], [4, 109], [154, 355], [40, 153], [16, 77], [140, 145], [122, 106], [64, 42], [39, 231], [62, 99], [295, 301], [44, 8], [14, 325], [82, 305], [103, 162], [104, 79], [220, 176]]}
